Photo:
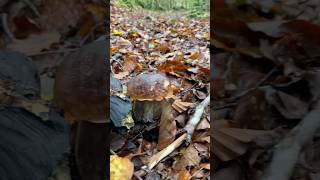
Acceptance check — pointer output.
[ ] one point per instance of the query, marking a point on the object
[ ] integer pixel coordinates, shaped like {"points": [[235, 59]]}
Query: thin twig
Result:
{"points": [[6, 28], [224, 106], [32, 7], [112, 152], [155, 159], [194, 120], [287, 152], [263, 80], [54, 52]]}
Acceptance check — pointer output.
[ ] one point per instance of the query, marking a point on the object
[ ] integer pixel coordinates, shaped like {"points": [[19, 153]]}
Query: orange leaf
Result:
{"points": [[184, 175], [175, 67]]}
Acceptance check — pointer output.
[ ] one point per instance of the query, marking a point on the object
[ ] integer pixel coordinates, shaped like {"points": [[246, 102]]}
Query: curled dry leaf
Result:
{"points": [[230, 142], [195, 55], [131, 63], [184, 175], [167, 130], [174, 67], [123, 43], [289, 106], [180, 106]]}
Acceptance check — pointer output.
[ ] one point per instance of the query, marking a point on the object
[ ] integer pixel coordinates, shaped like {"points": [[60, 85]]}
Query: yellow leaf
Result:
{"points": [[121, 168], [117, 33]]}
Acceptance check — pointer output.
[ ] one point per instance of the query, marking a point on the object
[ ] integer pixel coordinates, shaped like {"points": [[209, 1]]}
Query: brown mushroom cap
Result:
{"points": [[150, 87], [81, 84]]}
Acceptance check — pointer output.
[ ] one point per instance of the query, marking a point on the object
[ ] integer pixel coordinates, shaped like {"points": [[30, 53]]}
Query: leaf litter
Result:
{"points": [[178, 50], [265, 68]]}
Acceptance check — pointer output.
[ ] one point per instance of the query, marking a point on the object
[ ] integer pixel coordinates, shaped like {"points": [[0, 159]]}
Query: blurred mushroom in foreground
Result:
{"points": [[81, 87]]}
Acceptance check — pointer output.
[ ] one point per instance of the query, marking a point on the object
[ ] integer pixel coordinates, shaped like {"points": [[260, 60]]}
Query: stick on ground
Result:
{"points": [[190, 127], [287, 152]]}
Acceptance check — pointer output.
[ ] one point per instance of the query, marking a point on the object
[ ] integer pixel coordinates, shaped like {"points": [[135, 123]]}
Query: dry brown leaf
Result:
{"points": [[195, 55], [130, 63], [86, 25], [123, 43], [190, 157], [180, 106], [167, 130], [205, 166], [184, 175], [164, 48], [121, 75], [61, 14], [289, 106], [98, 11], [203, 124], [174, 67], [232, 142]]}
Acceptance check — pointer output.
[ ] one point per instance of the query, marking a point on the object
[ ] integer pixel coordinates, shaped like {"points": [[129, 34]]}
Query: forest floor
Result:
{"points": [[177, 46], [265, 79]]}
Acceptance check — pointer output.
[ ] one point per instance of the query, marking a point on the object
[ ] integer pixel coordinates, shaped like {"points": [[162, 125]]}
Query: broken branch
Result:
{"points": [[190, 127], [287, 151], [193, 122]]}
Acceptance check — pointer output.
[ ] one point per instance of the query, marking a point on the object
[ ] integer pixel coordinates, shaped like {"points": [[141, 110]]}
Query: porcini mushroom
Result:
{"points": [[81, 88], [150, 94]]}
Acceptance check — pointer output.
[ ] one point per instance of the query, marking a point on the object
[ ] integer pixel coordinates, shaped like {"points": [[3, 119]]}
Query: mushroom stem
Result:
{"points": [[92, 150], [149, 111]]}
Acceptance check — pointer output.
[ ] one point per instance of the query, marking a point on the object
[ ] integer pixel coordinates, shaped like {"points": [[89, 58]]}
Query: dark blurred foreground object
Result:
{"points": [[30, 148], [120, 107], [17, 70], [81, 90]]}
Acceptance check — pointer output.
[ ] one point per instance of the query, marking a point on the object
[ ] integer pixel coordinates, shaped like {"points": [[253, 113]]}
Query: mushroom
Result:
{"points": [[81, 87], [151, 94]]}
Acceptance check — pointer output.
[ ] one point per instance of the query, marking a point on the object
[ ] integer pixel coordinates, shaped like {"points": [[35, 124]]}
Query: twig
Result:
{"points": [[224, 106], [263, 80], [6, 28], [190, 127], [155, 159], [193, 122], [287, 151], [54, 52], [112, 152], [32, 7]]}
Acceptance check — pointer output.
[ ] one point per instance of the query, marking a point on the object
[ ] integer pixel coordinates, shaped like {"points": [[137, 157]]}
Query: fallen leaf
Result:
{"points": [[190, 157], [184, 175], [121, 75], [167, 129], [121, 168], [203, 124], [180, 106]]}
